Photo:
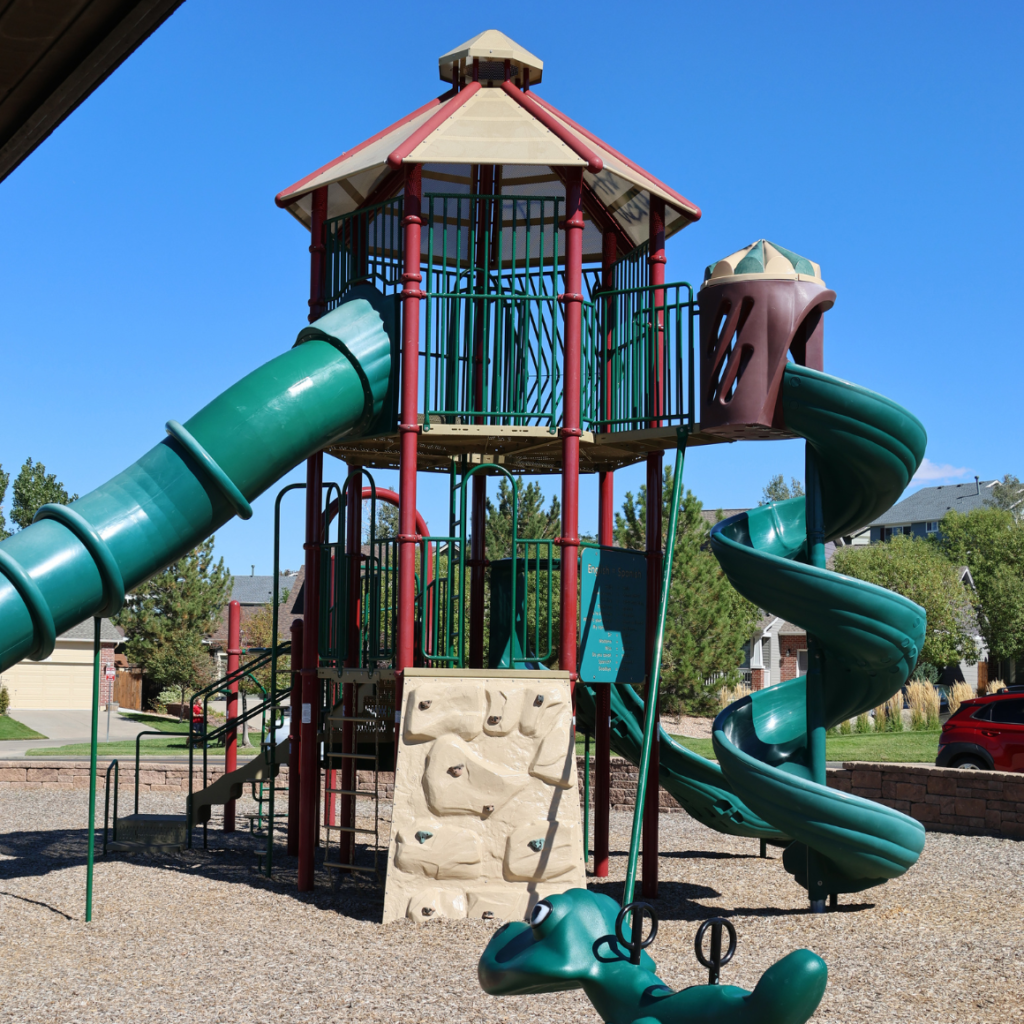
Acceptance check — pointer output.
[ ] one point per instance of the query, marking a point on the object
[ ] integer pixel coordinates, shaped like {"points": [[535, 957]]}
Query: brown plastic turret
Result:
{"points": [[749, 326]]}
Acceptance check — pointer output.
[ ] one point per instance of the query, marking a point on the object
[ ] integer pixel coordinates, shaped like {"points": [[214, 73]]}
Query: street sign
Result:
{"points": [[613, 605]]}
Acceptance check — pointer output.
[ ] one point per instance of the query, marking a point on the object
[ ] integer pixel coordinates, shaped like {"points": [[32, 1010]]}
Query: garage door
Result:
{"points": [[64, 680]]}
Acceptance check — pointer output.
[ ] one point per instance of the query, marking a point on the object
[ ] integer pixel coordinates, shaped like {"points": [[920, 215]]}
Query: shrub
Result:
{"points": [[894, 713], [863, 723], [730, 694], [845, 727], [957, 694], [5, 700], [880, 718], [995, 685], [924, 705]]}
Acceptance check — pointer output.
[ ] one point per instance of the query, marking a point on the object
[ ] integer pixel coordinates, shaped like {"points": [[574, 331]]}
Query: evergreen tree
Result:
{"points": [[920, 571], [533, 521], [33, 488], [990, 542], [4, 478], [167, 620], [708, 621], [778, 490], [387, 524]]}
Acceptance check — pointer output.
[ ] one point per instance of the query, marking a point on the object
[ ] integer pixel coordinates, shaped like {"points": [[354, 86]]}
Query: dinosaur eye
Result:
{"points": [[540, 913]]}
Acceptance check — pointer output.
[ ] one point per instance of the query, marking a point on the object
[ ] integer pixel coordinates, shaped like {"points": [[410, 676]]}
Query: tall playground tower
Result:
{"points": [[518, 263]]}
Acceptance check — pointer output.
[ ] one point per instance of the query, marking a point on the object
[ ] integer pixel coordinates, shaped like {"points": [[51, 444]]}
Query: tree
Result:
{"points": [[4, 478], [386, 526], [778, 490], [990, 542], [167, 621], [33, 488], [258, 631], [1008, 495], [920, 571], [532, 520], [708, 621]]}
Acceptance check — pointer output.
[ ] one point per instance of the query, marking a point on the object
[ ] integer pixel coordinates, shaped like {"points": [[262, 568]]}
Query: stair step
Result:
{"points": [[161, 832]]}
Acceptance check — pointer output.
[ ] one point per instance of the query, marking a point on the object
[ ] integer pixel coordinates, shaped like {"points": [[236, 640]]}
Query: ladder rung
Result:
{"points": [[349, 867], [360, 757], [352, 792], [350, 828]]}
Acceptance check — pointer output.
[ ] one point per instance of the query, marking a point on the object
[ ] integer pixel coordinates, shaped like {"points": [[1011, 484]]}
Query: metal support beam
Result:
{"points": [[231, 736]]}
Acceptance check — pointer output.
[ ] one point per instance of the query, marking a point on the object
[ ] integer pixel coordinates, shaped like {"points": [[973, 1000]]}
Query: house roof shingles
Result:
{"points": [[259, 589], [930, 504], [109, 633]]}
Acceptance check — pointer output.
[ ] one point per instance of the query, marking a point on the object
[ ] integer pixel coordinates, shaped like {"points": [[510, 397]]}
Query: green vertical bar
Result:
{"points": [[586, 802], [682, 435], [92, 766]]}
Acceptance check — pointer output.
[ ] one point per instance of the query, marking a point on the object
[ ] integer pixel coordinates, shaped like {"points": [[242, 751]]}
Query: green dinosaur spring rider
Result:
{"points": [[574, 940]]}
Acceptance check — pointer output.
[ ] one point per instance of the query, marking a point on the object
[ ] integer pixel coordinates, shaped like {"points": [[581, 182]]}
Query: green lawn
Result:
{"points": [[174, 746], [887, 746], [12, 729]]}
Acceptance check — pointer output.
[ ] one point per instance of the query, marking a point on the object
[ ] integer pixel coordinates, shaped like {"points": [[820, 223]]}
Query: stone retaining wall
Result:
{"points": [[942, 799]]}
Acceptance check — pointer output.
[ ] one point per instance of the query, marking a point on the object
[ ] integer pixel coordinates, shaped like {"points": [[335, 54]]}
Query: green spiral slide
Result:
{"points": [[77, 561], [697, 784], [866, 449]]}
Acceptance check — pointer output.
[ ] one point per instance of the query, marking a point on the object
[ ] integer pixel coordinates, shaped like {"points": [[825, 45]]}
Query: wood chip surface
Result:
{"points": [[201, 937]]}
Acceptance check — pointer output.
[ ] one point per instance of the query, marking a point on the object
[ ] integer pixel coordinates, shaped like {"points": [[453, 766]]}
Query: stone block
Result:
{"points": [[157, 778], [969, 808], [942, 785], [976, 822], [41, 774], [866, 780], [902, 805], [867, 794], [13, 774], [924, 812], [933, 798], [912, 791], [888, 789], [962, 790], [1013, 791], [1010, 828], [947, 804], [993, 818]]}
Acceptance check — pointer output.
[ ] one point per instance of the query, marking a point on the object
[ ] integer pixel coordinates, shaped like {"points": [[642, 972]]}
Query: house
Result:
{"points": [[920, 514], [64, 680], [252, 593]]}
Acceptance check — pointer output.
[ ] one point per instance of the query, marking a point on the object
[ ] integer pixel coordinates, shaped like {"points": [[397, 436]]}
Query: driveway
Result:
{"points": [[63, 727]]}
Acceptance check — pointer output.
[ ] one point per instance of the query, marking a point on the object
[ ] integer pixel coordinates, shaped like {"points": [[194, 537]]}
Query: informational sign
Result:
{"points": [[613, 606]]}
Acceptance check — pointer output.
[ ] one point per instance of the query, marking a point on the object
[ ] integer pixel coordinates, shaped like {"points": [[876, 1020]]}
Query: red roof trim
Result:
{"points": [[286, 197], [527, 101], [432, 124], [625, 159]]}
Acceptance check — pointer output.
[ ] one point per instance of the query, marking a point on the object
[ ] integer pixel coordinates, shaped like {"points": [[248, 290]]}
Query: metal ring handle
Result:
{"points": [[637, 942], [716, 963], [106, 564], [235, 498], [44, 632]]}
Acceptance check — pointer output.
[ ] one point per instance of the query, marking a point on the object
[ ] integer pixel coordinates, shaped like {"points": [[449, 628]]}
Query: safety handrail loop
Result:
{"points": [[106, 564], [235, 498], [43, 628]]}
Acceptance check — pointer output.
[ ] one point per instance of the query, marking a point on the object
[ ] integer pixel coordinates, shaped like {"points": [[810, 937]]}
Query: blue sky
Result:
{"points": [[144, 266]]}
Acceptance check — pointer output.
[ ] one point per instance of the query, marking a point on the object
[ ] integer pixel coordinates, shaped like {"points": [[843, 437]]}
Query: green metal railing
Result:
{"points": [[639, 354], [363, 246], [493, 342]]}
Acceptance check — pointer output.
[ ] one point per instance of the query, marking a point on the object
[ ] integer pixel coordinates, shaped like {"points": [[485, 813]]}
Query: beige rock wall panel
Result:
{"points": [[486, 817]]}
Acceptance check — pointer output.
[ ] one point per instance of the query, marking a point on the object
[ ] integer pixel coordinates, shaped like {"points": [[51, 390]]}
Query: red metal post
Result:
{"points": [[408, 429], [606, 536], [231, 736], [294, 740], [309, 768], [656, 262], [572, 300]]}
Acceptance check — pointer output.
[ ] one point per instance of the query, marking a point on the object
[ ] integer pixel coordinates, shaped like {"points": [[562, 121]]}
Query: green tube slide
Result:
{"points": [[867, 449], [77, 561], [697, 784]]}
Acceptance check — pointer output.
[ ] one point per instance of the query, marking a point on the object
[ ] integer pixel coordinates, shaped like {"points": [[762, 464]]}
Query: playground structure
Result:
{"points": [[489, 297]]}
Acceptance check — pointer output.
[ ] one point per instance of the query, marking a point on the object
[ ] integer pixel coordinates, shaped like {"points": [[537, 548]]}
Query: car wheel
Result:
{"points": [[969, 761]]}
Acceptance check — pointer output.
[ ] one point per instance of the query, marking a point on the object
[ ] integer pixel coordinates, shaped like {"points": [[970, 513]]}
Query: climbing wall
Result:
{"points": [[486, 816]]}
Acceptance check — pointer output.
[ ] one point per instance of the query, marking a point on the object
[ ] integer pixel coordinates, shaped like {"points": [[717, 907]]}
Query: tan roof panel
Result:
{"points": [[489, 47]]}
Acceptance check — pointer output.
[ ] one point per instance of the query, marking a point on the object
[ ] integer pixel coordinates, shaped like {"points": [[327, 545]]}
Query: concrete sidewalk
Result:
{"points": [[64, 727]]}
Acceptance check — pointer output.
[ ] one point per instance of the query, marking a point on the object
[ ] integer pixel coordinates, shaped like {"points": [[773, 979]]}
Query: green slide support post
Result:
{"points": [[77, 561], [864, 641], [95, 726]]}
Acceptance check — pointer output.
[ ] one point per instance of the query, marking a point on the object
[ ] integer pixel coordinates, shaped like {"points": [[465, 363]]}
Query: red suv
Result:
{"points": [[985, 733]]}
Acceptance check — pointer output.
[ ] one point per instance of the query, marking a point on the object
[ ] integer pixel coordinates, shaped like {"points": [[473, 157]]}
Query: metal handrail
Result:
{"points": [[106, 800]]}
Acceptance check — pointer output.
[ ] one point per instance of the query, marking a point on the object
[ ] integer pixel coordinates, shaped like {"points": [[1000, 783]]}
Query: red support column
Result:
{"points": [[408, 429], [570, 431], [605, 536], [309, 768], [656, 261], [294, 740], [231, 736]]}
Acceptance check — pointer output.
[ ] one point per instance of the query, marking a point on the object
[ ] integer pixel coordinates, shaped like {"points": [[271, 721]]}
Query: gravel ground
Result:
{"points": [[201, 937]]}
